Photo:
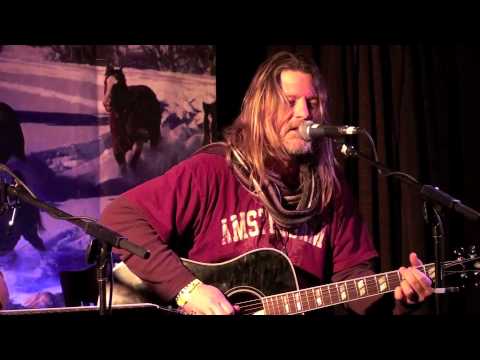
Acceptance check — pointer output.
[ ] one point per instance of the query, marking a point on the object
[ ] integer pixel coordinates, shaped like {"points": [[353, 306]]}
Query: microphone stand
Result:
{"points": [[439, 200], [101, 246], [100, 254]]}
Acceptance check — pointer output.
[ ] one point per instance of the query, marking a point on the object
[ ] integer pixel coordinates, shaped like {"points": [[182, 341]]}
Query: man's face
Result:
{"points": [[302, 100]]}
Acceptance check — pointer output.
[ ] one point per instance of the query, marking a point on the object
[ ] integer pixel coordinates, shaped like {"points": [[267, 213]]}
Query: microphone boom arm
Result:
{"points": [[428, 192], [91, 227]]}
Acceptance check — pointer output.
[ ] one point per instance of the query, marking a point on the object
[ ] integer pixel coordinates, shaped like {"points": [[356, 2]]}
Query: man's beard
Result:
{"points": [[310, 154], [293, 150], [304, 158]]}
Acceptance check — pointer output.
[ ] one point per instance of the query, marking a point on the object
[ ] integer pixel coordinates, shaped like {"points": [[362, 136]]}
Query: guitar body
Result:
{"points": [[258, 273], [253, 275]]}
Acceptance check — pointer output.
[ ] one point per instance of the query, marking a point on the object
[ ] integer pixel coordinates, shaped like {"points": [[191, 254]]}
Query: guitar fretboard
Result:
{"points": [[313, 298]]}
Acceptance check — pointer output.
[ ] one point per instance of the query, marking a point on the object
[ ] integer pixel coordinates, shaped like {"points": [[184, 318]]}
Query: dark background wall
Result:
{"points": [[419, 102]]}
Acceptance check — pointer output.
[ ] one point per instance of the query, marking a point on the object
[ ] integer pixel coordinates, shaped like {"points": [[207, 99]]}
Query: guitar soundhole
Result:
{"points": [[248, 298]]}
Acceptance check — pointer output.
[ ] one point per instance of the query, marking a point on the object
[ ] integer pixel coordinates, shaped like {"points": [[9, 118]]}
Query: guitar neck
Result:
{"points": [[314, 298]]}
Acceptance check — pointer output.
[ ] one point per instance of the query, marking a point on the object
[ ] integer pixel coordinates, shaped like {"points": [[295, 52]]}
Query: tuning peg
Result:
{"points": [[459, 252], [472, 250]]}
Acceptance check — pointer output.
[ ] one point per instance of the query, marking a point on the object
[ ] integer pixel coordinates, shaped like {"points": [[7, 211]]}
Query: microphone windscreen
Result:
{"points": [[303, 130]]}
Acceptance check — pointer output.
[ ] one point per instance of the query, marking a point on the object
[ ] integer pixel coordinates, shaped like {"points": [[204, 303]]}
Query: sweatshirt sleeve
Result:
{"points": [[159, 215], [351, 240]]}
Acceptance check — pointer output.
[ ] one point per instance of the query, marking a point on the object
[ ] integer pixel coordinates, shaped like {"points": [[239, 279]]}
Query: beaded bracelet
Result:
{"points": [[184, 295]]}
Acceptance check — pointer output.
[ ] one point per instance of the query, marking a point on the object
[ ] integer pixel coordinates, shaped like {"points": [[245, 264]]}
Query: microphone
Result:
{"points": [[309, 130]]}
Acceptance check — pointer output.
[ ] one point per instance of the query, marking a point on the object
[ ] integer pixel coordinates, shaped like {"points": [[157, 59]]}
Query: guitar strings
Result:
{"points": [[324, 289], [448, 264], [278, 309], [257, 304]]}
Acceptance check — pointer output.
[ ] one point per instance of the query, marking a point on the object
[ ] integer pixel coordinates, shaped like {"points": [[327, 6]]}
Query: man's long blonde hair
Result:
{"points": [[254, 132]]}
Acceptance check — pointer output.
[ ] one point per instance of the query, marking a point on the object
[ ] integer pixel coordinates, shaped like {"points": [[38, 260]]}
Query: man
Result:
{"points": [[3, 292], [265, 188]]}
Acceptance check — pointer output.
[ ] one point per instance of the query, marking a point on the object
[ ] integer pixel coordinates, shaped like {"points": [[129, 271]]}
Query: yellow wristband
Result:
{"points": [[184, 295]]}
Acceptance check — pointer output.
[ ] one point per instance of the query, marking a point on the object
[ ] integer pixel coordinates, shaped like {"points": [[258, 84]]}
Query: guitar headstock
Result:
{"points": [[466, 266]]}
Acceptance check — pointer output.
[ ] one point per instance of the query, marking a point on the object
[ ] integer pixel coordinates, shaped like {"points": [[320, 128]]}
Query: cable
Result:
{"points": [[17, 179], [383, 172]]}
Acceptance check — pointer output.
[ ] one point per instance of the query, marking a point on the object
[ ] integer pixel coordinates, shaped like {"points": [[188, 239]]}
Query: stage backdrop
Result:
{"points": [[76, 138]]}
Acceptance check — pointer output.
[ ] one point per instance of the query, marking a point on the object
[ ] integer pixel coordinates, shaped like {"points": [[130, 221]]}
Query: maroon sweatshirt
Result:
{"points": [[199, 210]]}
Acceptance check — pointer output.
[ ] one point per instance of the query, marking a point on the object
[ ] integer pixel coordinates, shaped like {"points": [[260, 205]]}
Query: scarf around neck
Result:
{"points": [[288, 210]]}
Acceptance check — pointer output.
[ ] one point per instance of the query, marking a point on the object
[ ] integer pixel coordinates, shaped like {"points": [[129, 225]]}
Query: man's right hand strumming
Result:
{"points": [[207, 300]]}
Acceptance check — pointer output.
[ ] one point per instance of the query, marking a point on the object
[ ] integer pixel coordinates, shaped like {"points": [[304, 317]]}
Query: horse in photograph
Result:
{"points": [[135, 115]]}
